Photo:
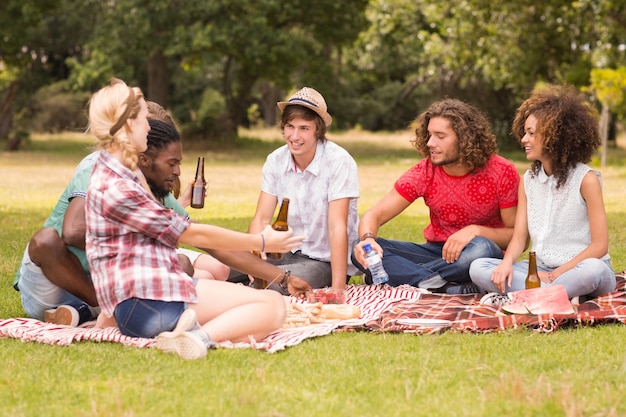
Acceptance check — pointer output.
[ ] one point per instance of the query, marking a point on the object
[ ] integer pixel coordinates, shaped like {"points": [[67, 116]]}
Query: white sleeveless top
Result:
{"points": [[558, 222]]}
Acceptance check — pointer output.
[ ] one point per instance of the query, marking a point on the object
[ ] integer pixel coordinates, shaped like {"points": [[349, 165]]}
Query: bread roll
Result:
{"points": [[340, 311]]}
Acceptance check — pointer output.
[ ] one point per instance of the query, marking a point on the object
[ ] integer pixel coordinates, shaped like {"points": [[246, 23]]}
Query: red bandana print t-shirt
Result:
{"points": [[457, 202]]}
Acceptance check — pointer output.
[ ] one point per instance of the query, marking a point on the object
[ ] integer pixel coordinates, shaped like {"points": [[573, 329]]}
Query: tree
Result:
{"points": [[228, 46], [489, 53], [36, 37], [272, 41], [608, 86]]}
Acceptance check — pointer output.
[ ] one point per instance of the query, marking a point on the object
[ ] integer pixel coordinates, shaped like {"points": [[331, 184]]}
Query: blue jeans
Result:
{"points": [[410, 263], [592, 277], [139, 317]]}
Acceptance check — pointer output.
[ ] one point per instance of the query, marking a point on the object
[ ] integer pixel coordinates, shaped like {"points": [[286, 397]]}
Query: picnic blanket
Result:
{"points": [[381, 309], [372, 300], [466, 314]]}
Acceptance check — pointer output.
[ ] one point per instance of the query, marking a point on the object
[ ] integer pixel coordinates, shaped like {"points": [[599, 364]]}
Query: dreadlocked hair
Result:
{"points": [[161, 134]]}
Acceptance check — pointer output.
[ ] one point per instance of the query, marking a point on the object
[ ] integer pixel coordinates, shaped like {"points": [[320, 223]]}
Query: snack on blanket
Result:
{"points": [[327, 296], [340, 311], [302, 314], [310, 313]]}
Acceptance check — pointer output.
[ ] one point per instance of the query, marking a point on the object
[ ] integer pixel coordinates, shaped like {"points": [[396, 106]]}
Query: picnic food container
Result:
{"points": [[326, 296]]}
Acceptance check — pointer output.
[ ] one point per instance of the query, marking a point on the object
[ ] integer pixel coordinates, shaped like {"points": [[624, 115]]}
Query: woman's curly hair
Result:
{"points": [[477, 142], [567, 125]]}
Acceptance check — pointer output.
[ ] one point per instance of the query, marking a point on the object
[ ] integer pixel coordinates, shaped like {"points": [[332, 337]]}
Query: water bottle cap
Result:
{"points": [[367, 247]]}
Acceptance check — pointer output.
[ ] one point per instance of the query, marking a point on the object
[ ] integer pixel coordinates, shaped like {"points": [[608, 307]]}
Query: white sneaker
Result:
{"points": [[185, 344], [494, 299], [65, 315], [186, 321]]}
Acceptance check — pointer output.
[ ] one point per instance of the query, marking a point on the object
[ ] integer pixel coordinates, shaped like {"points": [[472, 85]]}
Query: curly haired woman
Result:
{"points": [[471, 193], [561, 208]]}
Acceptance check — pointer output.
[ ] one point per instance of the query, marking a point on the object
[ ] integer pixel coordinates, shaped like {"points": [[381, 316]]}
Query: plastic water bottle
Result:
{"points": [[375, 265]]}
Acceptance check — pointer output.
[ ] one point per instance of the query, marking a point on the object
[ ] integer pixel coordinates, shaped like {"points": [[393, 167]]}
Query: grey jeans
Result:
{"points": [[317, 273]]}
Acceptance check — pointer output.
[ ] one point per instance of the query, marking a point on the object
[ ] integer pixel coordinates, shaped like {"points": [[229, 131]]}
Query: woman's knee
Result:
{"points": [[599, 270], [594, 267], [480, 269], [277, 305]]}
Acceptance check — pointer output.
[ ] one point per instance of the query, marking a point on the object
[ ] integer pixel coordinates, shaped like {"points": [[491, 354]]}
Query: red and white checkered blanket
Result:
{"points": [[466, 314], [381, 308], [373, 300]]}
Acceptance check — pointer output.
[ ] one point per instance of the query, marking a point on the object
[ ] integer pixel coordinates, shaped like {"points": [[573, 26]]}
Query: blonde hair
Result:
{"points": [[109, 108]]}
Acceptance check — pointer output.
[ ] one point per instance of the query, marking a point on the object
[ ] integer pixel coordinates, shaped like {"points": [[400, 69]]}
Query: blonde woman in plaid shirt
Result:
{"points": [[131, 247]]}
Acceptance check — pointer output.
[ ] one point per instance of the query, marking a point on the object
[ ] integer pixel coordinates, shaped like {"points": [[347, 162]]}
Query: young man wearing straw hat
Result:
{"points": [[54, 272], [320, 179]]}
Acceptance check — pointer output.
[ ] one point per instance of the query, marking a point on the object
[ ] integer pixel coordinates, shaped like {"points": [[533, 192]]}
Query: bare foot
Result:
{"points": [[105, 321]]}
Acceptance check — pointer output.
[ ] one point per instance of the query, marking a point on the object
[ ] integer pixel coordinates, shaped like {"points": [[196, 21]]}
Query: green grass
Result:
{"points": [[573, 372]]}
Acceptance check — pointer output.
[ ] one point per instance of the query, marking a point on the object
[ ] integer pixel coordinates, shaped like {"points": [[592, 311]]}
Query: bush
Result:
{"points": [[210, 120], [53, 110]]}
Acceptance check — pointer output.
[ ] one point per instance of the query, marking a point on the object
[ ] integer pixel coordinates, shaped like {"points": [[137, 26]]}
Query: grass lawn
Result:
{"points": [[573, 372]]}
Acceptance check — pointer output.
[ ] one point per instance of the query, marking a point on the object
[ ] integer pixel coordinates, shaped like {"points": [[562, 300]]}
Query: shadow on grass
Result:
{"points": [[72, 146], [254, 149], [251, 149]]}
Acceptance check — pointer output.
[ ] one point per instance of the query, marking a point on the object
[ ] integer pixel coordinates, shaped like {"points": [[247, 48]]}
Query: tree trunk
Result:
{"points": [[269, 97], [236, 102], [158, 79], [604, 132], [6, 115]]}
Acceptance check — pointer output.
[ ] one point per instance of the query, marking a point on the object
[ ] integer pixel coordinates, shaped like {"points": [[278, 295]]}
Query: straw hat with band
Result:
{"points": [[311, 99]]}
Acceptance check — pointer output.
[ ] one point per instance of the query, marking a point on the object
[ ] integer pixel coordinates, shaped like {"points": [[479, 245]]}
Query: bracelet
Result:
{"points": [[284, 283], [262, 243], [367, 236]]}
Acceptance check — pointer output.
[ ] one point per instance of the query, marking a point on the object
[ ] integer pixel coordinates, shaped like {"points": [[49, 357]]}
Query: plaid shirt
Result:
{"points": [[131, 240]]}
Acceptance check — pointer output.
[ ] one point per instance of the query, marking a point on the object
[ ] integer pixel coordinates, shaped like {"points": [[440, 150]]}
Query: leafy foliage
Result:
{"points": [[377, 62]]}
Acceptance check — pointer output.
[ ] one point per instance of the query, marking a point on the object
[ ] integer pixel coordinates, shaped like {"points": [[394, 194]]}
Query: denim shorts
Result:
{"points": [[138, 317], [38, 294]]}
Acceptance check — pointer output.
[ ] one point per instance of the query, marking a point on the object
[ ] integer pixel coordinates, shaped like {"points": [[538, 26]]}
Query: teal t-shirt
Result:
{"points": [[78, 188], [171, 202]]}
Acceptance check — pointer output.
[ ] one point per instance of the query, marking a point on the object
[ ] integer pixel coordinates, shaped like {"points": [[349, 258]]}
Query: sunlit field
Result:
{"points": [[572, 372]]}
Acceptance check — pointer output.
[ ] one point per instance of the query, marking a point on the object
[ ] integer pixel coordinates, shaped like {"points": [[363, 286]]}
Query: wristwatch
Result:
{"points": [[284, 283]]}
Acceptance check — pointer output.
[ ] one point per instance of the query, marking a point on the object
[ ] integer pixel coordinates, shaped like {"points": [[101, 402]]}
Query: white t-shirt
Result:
{"points": [[330, 176]]}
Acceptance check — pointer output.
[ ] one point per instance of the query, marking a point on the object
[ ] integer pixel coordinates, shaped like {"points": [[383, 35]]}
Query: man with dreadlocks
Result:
{"points": [[54, 278]]}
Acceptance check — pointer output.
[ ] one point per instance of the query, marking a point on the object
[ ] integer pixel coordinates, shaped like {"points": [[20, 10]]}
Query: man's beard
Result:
{"points": [[159, 192], [446, 162]]}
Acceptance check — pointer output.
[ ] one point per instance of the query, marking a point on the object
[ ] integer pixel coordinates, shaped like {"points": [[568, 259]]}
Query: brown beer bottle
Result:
{"points": [[280, 224], [198, 187], [532, 279]]}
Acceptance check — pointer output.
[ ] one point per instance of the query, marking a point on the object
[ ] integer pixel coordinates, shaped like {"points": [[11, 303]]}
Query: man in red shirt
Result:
{"points": [[471, 193]]}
